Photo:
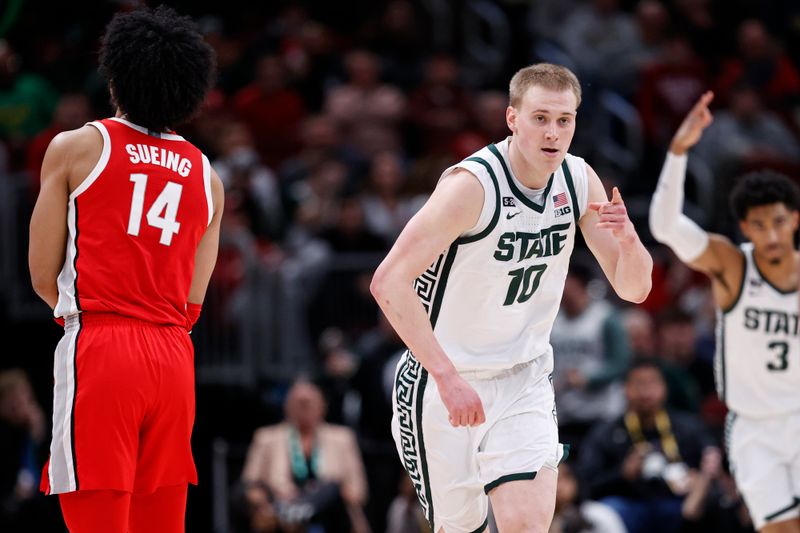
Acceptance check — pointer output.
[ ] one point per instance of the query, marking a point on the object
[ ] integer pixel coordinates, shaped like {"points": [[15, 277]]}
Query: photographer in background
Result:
{"points": [[644, 464]]}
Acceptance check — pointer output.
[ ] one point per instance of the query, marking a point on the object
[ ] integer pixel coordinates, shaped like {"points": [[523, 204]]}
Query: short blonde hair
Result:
{"points": [[546, 75]]}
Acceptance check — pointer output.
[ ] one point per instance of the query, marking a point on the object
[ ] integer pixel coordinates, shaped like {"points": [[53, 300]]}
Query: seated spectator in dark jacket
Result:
{"points": [[642, 464]]}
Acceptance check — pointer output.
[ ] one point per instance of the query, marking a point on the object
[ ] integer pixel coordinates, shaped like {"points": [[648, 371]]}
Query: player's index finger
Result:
{"points": [[702, 103]]}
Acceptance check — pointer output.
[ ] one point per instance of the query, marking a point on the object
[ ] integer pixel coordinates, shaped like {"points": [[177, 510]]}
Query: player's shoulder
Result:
{"points": [[82, 140], [575, 161], [74, 153]]}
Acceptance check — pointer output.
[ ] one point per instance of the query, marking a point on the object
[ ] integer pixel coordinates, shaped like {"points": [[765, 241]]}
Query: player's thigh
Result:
{"points": [[439, 459], [96, 511], [524, 440], [163, 511], [165, 454], [525, 505], [758, 457]]}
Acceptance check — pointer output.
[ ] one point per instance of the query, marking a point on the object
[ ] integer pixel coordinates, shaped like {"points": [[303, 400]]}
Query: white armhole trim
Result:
{"points": [[101, 163], [207, 186], [580, 179]]}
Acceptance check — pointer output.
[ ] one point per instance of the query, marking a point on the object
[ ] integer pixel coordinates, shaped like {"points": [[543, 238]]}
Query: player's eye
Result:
{"points": [[564, 121]]}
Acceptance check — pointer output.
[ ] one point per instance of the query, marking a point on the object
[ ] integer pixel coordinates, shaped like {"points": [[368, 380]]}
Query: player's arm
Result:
{"points": [[205, 258], [453, 208], [48, 228], [709, 253], [611, 237]]}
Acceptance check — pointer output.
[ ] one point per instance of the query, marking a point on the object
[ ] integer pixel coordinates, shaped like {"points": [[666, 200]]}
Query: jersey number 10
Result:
{"points": [[166, 203], [524, 282]]}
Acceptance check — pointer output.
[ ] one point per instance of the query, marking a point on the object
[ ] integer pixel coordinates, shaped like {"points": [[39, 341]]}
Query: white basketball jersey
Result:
{"points": [[493, 294], [758, 352]]}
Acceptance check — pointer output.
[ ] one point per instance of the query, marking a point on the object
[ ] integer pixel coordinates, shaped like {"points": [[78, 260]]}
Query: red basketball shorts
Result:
{"points": [[123, 406]]}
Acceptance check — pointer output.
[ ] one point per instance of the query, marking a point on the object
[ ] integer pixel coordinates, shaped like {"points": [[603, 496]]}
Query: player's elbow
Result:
{"points": [[377, 287], [386, 281], [638, 296], [44, 285], [638, 292]]}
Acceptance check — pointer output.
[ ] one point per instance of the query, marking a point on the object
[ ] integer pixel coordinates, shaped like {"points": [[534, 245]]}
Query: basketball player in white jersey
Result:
{"points": [[758, 354], [473, 285]]}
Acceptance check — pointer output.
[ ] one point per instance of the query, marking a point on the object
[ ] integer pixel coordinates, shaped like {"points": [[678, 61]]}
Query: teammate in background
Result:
{"points": [[755, 289], [479, 321], [123, 240]]}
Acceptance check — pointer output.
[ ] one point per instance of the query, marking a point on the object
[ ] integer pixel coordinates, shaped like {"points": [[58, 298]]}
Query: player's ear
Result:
{"points": [[511, 119], [744, 228], [795, 219]]}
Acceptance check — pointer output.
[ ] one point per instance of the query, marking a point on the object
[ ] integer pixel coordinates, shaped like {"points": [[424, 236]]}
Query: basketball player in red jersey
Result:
{"points": [[123, 241]]}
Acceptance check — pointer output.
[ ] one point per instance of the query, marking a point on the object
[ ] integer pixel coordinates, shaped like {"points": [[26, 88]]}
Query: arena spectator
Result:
{"points": [[640, 463], [312, 469], [272, 110], [368, 111]]}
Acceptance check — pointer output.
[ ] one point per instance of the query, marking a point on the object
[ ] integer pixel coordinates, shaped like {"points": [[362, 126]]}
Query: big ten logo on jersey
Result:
{"points": [[156, 155], [560, 204]]}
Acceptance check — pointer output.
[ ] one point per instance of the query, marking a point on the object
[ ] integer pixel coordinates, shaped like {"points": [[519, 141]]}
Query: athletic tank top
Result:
{"points": [[134, 225], [758, 354], [493, 294]]}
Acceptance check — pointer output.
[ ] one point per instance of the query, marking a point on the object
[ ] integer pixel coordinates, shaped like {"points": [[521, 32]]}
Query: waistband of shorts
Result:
{"points": [[92, 318], [495, 373]]}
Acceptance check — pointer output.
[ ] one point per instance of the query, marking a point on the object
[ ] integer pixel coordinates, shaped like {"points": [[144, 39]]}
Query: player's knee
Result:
{"points": [[520, 520]]}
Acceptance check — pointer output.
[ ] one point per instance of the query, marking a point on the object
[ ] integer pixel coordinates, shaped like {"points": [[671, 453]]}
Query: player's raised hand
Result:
{"points": [[614, 216], [693, 125], [463, 404]]}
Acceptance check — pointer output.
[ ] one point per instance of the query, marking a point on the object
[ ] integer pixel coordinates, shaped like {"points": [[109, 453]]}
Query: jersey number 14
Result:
{"points": [[161, 214]]}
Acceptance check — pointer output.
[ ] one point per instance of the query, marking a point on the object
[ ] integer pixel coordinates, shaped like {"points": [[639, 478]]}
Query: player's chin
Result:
{"points": [[552, 160]]}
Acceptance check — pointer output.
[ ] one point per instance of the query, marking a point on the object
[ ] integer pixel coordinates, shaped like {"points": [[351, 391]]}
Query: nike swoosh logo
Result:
{"points": [[509, 216]]}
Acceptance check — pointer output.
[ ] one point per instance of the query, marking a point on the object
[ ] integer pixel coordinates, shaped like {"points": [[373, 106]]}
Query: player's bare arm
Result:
{"points": [[206, 256], [611, 237], [712, 254], [453, 208], [68, 161]]}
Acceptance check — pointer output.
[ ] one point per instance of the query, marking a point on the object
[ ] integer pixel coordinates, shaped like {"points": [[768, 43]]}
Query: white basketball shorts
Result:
{"points": [[453, 469], [764, 455]]}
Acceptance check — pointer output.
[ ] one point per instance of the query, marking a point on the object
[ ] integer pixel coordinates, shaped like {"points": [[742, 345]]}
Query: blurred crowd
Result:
{"points": [[329, 125]]}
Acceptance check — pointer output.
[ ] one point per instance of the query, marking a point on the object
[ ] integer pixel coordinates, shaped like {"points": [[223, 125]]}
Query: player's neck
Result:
{"points": [[526, 173], [782, 274]]}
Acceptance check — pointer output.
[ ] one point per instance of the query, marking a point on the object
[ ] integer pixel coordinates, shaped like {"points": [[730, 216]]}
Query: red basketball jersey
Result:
{"points": [[134, 226]]}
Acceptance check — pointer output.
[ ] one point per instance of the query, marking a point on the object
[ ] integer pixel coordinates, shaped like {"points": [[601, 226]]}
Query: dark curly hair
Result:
{"points": [[158, 66], [762, 188]]}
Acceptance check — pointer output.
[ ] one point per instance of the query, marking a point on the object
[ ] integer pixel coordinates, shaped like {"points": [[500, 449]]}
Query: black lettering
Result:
{"points": [[505, 247], [751, 318], [782, 325], [524, 239], [558, 240], [768, 326]]}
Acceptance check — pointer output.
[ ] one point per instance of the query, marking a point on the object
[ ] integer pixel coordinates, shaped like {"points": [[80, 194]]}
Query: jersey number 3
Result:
{"points": [[166, 204], [782, 349]]}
